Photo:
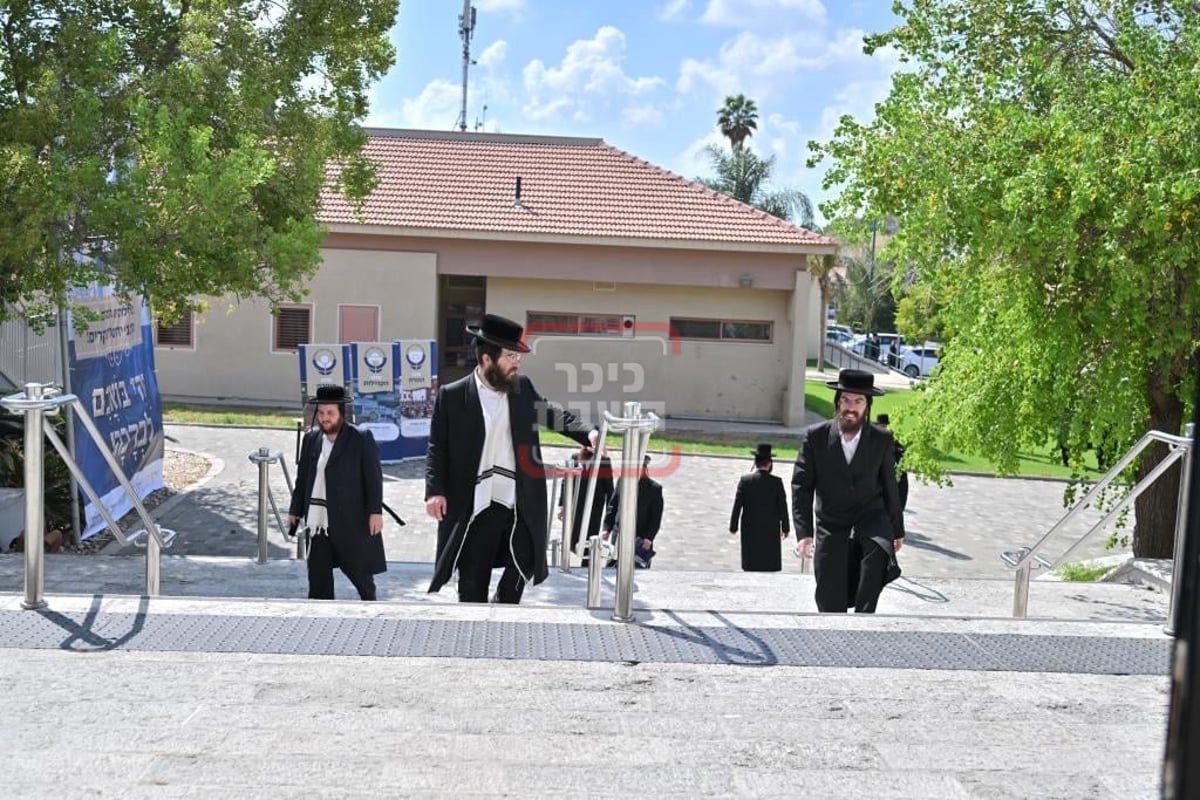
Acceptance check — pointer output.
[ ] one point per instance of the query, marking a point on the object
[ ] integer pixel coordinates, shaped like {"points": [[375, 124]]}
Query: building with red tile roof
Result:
{"points": [[632, 282]]}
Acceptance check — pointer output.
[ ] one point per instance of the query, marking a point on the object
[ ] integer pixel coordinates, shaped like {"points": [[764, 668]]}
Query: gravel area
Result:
{"points": [[181, 468]]}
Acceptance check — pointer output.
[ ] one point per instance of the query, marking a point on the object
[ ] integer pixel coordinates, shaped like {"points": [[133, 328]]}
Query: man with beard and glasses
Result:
{"points": [[849, 467], [339, 495], [484, 477], [760, 510]]}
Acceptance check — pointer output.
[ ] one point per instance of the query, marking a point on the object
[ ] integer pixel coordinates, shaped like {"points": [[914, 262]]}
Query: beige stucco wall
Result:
{"points": [[232, 360], [742, 380]]}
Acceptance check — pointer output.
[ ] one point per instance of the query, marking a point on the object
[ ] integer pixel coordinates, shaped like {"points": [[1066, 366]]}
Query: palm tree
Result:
{"points": [[744, 176], [738, 119]]}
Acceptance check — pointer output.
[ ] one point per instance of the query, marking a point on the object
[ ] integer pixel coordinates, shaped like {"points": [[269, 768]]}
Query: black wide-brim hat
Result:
{"points": [[331, 394], [855, 381], [763, 452], [501, 332]]}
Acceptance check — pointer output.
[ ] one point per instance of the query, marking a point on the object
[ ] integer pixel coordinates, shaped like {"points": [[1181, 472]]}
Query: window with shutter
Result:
{"points": [[293, 327], [177, 334]]}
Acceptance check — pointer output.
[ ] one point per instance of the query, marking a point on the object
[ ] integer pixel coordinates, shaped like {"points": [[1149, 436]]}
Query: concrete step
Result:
{"points": [[729, 592]]}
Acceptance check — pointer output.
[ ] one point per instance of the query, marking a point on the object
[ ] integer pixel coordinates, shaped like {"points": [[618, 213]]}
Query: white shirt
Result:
{"points": [[850, 446], [318, 510], [496, 476]]}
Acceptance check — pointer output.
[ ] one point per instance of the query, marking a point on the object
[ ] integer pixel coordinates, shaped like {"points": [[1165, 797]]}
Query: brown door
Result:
{"points": [[358, 324], [462, 299]]}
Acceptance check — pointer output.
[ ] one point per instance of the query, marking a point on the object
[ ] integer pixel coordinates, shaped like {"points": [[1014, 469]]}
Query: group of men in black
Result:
{"points": [[485, 486]]}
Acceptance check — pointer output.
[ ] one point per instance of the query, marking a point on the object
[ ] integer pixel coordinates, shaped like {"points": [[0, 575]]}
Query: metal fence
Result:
{"points": [[29, 357]]}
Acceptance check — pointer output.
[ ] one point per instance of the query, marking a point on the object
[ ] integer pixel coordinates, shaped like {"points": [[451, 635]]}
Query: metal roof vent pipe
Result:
{"points": [[517, 198]]}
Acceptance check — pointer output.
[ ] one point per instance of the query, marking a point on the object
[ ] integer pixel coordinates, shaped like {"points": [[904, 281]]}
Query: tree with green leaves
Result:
{"points": [[1044, 158], [744, 176], [737, 119], [178, 148]]}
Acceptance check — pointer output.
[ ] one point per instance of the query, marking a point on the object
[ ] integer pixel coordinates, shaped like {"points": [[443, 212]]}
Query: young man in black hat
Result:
{"points": [[484, 475], [339, 496], [849, 467], [760, 508], [884, 421], [647, 520]]}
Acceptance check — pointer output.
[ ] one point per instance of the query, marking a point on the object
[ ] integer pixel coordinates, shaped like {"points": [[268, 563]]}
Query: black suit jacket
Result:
{"points": [[456, 439], [861, 495], [353, 491], [649, 510]]}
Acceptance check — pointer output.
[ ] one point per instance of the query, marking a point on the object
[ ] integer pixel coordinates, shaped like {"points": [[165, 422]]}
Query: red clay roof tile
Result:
{"points": [[431, 180]]}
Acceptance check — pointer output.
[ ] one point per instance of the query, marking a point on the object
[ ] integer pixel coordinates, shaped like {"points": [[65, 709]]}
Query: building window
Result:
{"points": [[293, 327], [721, 330], [177, 334], [545, 323]]}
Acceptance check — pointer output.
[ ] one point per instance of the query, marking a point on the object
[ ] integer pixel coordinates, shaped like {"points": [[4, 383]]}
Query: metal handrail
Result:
{"points": [[636, 430], [1181, 448], [34, 403]]}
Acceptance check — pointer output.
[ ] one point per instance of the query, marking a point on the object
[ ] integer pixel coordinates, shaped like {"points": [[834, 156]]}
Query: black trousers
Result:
{"points": [[487, 545], [849, 572], [322, 555]]}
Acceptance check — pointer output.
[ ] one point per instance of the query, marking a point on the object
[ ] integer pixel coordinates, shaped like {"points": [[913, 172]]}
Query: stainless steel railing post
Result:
{"points": [[1185, 481], [570, 487], [595, 564], [263, 458], [626, 538], [35, 421]]}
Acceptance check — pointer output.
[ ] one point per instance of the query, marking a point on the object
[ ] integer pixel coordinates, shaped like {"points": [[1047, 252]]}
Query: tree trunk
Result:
{"points": [[823, 326], [1154, 531]]}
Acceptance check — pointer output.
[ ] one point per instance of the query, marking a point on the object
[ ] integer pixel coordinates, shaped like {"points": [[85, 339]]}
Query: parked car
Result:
{"points": [[838, 337], [882, 348], [918, 362]]}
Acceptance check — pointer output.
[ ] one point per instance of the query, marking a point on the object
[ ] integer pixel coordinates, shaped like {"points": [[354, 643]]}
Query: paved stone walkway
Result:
{"points": [[954, 532]]}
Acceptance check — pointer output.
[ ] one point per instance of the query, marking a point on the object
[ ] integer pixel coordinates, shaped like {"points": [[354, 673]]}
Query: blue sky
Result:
{"points": [[647, 76]]}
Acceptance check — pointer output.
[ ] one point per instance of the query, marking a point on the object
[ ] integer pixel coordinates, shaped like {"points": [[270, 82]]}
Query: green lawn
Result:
{"points": [[818, 398]]}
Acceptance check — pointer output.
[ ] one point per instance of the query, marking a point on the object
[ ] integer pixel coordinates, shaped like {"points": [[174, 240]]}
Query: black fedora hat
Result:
{"points": [[331, 394], [762, 452], [855, 381], [501, 332]]}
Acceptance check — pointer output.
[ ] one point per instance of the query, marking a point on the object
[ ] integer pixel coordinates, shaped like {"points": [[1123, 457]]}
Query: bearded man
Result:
{"points": [[485, 482], [849, 467], [339, 496]]}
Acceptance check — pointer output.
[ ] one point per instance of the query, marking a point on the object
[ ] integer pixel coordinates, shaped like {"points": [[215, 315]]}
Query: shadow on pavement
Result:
{"points": [[922, 542]]}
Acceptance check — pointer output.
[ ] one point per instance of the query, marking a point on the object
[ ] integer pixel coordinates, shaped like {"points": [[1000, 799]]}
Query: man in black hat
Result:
{"points": [[339, 495], [647, 520], [484, 475], [884, 421], [760, 507], [849, 467]]}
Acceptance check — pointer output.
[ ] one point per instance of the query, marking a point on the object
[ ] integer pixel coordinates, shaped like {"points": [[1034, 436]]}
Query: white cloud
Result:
{"points": [[674, 10], [642, 116], [493, 56], [766, 66], [585, 82], [771, 13], [435, 108]]}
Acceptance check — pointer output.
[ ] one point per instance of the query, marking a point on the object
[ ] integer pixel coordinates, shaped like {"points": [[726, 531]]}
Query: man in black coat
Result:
{"points": [[604, 492], [760, 507], [884, 421], [648, 518], [485, 482], [848, 466], [339, 495]]}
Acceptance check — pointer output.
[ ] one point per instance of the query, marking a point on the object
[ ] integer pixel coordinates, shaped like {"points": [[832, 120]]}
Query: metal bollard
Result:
{"points": [[595, 563], [633, 445], [570, 486], [263, 458], [35, 579], [1181, 513]]}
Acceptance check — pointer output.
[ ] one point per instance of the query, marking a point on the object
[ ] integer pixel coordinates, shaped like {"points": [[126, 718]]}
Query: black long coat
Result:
{"points": [[760, 509], [649, 509], [604, 493], [861, 496], [456, 439], [353, 491]]}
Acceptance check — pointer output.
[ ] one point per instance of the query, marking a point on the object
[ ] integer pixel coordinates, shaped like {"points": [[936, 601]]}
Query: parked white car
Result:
{"points": [[917, 362]]}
